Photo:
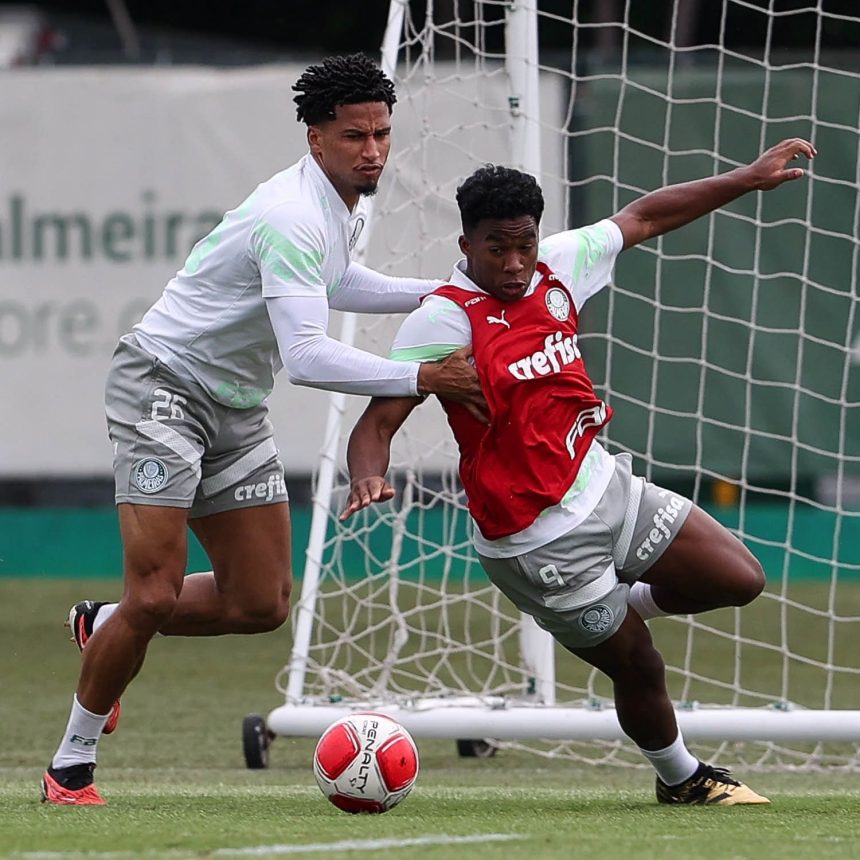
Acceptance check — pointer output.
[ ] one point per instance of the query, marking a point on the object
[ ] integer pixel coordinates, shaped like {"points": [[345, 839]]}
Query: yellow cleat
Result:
{"points": [[708, 786]]}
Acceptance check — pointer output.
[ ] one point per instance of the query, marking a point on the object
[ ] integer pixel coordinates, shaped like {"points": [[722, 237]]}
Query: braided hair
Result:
{"points": [[348, 80]]}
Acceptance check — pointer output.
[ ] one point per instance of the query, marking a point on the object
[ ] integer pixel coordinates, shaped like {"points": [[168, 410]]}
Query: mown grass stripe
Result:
{"points": [[268, 850]]}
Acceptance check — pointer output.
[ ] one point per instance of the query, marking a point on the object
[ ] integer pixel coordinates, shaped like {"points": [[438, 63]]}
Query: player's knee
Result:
{"points": [[266, 616], [648, 664], [640, 666], [277, 615], [150, 608]]}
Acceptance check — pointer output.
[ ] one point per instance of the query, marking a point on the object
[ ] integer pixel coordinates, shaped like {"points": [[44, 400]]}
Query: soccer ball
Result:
{"points": [[366, 762]]}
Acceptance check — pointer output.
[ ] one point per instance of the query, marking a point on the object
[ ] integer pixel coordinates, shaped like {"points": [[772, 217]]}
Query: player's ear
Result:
{"points": [[314, 138], [464, 245]]}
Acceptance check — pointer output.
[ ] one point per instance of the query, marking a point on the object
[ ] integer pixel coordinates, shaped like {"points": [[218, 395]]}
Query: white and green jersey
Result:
{"points": [[282, 255], [583, 260]]}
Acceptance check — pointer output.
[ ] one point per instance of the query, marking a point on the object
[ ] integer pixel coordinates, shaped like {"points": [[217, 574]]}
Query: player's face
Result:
{"points": [[353, 147], [501, 255]]}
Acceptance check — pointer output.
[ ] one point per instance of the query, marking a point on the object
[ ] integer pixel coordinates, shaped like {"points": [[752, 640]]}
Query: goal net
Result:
{"points": [[730, 351]]}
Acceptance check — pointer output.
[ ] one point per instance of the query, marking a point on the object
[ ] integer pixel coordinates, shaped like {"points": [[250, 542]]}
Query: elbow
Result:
{"points": [[298, 371], [299, 377], [304, 360]]}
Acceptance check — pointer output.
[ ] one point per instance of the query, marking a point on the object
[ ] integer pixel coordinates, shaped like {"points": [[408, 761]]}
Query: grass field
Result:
{"points": [[177, 787]]}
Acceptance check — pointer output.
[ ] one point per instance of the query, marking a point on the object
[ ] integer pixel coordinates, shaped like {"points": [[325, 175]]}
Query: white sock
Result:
{"points": [[673, 764], [81, 737], [642, 600], [103, 614]]}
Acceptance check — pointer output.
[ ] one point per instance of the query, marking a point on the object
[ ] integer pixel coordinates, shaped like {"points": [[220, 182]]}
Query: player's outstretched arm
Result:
{"points": [[455, 378], [369, 450], [676, 205]]}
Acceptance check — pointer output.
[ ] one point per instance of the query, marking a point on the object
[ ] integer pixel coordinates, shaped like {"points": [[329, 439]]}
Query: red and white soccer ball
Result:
{"points": [[366, 762]]}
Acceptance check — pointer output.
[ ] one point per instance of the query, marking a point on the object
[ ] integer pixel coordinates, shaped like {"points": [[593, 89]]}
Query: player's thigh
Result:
{"points": [[706, 560], [155, 549], [240, 512], [250, 551], [667, 541]]}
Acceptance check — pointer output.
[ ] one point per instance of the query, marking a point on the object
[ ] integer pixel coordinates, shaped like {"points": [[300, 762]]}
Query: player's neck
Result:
{"points": [[350, 197]]}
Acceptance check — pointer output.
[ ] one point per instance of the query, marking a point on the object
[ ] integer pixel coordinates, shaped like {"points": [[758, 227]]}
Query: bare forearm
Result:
{"points": [[674, 206], [369, 449], [368, 453]]}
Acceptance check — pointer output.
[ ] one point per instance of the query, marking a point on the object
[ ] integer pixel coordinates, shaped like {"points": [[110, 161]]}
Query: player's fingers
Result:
{"points": [[358, 498], [348, 511], [799, 147], [792, 148], [465, 353], [461, 354]]}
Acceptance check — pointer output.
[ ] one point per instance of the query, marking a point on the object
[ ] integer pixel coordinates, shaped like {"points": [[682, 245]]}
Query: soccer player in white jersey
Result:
{"points": [[562, 527], [186, 394]]}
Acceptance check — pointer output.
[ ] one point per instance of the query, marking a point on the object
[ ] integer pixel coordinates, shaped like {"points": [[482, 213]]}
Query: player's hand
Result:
{"points": [[771, 168], [364, 492], [455, 378]]}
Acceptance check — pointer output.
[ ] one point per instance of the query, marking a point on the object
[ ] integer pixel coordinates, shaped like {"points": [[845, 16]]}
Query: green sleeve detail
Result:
{"points": [[203, 248], [430, 352], [210, 242], [440, 310], [592, 246], [285, 260]]}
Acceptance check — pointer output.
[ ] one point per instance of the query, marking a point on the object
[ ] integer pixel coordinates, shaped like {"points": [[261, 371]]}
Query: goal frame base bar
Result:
{"points": [[522, 722]]}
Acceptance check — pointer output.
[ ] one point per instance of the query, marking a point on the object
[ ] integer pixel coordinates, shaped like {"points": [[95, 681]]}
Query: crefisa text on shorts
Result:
{"points": [[274, 485]]}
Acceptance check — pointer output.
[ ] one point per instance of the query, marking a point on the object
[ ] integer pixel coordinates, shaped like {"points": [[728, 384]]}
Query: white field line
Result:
{"points": [[345, 845], [270, 850], [363, 845]]}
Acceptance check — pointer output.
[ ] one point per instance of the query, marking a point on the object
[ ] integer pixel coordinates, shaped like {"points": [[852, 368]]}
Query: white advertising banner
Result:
{"points": [[107, 177]]}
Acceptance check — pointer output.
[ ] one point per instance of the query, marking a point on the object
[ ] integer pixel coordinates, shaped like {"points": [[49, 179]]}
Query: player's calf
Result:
{"points": [[82, 621]]}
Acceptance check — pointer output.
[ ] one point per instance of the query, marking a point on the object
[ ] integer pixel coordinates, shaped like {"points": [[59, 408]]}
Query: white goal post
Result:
{"points": [[728, 350]]}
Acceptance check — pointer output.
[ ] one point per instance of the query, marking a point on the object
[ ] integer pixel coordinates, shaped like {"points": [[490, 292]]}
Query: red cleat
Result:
{"points": [[71, 786]]}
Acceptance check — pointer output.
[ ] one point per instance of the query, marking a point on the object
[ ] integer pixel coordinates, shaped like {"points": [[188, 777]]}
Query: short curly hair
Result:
{"points": [[346, 80], [493, 191]]}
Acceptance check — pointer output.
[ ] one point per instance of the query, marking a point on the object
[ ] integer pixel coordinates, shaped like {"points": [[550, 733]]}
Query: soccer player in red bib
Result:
{"points": [[562, 527]]}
